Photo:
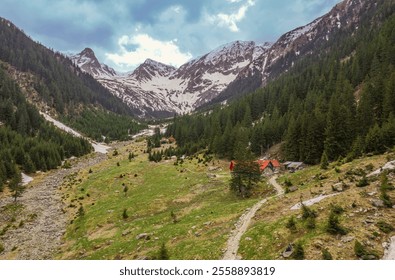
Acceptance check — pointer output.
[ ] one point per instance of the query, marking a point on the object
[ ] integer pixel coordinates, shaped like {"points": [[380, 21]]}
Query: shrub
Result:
{"points": [[81, 211], [125, 214], [308, 213], [291, 224], [310, 222], [363, 182], [326, 255], [363, 253], [298, 253], [384, 227], [337, 209], [163, 253], [333, 225], [1, 248]]}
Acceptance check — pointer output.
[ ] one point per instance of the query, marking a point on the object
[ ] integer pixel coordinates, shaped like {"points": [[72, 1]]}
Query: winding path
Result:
{"points": [[44, 221], [244, 221]]}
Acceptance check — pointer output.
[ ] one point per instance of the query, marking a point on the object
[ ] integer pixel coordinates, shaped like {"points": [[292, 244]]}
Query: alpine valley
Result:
{"points": [[281, 150]]}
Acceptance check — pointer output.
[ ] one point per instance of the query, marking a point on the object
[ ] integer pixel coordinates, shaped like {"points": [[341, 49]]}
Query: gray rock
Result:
{"points": [[288, 251], [338, 187], [346, 239], [209, 175], [144, 236], [248, 238], [377, 203], [126, 232], [292, 188]]}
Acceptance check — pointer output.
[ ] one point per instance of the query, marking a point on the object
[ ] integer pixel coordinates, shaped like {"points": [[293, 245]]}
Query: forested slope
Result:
{"points": [[27, 141], [63, 86], [340, 102]]}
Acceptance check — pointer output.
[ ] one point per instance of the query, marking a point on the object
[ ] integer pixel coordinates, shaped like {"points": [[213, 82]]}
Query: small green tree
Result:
{"points": [[125, 214], [291, 224], [298, 253], [16, 185], [324, 161], [163, 253], [326, 255]]}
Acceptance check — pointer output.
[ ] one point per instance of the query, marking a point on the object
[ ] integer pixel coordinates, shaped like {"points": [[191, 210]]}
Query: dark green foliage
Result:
{"points": [[115, 153], [384, 227], [34, 145], [125, 190], [245, 175], [364, 253], [173, 217], [386, 199], [307, 212], [326, 255], [337, 209], [81, 211], [298, 253], [96, 124], [291, 224], [333, 225], [312, 108], [125, 214], [363, 182], [58, 82], [1, 248], [15, 185], [324, 161], [163, 253]]}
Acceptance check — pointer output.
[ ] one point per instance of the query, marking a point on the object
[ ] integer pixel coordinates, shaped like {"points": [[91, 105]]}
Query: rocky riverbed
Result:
{"points": [[35, 229]]}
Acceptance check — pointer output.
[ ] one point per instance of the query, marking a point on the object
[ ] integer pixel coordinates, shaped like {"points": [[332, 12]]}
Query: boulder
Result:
{"points": [[144, 236], [377, 203], [288, 251], [346, 239], [338, 187]]}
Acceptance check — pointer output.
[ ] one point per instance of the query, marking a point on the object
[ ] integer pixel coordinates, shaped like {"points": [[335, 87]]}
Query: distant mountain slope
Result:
{"points": [[157, 90], [55, 84], [59, 84], [227, 72]]}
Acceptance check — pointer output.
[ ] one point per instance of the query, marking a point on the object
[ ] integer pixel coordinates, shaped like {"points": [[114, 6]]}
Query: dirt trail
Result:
{"points": [[44, 221], [244, 221]]}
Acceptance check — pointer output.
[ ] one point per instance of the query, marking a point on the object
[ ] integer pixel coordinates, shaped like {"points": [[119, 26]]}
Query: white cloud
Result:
{"points": [[230, 20], [147, 47]]}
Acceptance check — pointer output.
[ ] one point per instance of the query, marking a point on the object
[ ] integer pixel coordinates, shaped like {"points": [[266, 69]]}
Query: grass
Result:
{"points": [[268, 236], [204, 207]]}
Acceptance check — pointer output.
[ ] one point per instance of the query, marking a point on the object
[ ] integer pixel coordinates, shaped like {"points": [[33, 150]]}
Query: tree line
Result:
{"points": [[338, 103], [27, 141]]}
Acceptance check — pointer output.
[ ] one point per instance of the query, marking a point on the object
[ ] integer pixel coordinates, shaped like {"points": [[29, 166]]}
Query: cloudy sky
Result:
{"points": [[124, 33]]}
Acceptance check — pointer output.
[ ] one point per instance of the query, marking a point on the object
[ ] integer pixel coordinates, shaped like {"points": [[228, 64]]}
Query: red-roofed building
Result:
{"points": [[269, 165]]}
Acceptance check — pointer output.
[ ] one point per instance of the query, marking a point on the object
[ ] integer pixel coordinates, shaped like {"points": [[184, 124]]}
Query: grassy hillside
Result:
{"points": [[269, 236], [176, 205]]}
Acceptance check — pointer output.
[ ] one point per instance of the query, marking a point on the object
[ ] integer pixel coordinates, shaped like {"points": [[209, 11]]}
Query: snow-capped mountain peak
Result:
{"points": [[87, 61]]}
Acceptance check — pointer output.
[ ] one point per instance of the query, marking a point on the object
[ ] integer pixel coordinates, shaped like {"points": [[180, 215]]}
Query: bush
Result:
{"points": [[291, 224], [363, 253], [310, 222], [163, 253], [326, 255], [308, 213], [363, 182], [298, 253], [333, 225], [1, 248], [125, 214], [337, 209], [384, 227]]}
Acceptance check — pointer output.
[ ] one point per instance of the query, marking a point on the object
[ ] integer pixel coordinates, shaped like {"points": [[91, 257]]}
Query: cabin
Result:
{"points": [[293, 166], [269, 166]]}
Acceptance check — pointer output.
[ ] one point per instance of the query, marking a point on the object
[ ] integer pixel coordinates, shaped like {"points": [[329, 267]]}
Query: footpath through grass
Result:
{"points": [[127, 210]]}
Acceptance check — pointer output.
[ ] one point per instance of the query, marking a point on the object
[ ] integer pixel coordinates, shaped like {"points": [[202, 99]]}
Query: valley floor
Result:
{"points": [[110, 207]]}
